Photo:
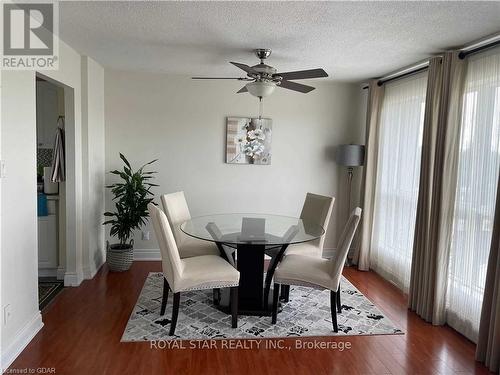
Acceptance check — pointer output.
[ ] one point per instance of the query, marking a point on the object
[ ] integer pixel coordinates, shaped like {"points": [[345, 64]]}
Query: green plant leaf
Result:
{"points": [[125, 160], [149, 163]]}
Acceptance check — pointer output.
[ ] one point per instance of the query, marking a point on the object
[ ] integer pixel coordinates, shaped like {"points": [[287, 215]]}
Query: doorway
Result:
{"points": [[51, 197], [57, 262]]}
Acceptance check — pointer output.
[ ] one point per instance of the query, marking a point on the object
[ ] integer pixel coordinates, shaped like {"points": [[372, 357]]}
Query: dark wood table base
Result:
{"points": [[223, 304], [252, 288]]}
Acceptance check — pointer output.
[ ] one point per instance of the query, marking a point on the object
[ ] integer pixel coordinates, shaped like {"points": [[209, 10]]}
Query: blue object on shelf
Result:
{"points": [[42, 205]]}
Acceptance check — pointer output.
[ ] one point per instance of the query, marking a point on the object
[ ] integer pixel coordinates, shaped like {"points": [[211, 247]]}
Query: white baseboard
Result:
{"points": [[154, 254], [90, 272], [328, 253], [21, 340], [61, 271], [73, 278], [47, 272], [147, 254]]}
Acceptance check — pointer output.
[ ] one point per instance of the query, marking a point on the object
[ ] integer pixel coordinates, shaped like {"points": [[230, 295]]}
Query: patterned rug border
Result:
{"points": [[54, 288], [333, 335]]}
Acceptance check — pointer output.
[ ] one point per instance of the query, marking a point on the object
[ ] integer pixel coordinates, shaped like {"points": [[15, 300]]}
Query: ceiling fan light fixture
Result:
{"points": [[265, 77], [261, 89]]}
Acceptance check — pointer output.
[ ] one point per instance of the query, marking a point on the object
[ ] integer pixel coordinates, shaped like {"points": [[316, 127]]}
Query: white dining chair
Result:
{"points": [[318, 272], [193, 273], [176, 208], [317, 209]]}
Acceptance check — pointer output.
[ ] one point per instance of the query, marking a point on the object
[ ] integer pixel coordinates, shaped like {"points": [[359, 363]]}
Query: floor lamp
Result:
{"points": [[350, 156]]}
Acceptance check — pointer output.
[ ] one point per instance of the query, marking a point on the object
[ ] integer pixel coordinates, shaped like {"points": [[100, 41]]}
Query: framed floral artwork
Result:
{"points": [[248, 140]]}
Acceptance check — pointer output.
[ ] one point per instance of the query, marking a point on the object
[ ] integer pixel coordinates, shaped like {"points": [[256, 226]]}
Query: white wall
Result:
{"points": [[182, 123], [93, 165], [19, 261], [18, 192]]}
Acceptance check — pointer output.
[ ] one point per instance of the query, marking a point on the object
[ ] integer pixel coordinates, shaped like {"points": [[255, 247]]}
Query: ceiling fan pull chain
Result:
{"points": [[261, 109]]}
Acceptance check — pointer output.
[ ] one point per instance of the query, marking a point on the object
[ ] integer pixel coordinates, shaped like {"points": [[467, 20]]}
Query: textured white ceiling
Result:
{"points": [[352, 41]]}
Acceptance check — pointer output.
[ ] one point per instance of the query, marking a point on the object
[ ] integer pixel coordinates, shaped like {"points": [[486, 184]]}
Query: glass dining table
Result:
{"points": [[244, 240]]}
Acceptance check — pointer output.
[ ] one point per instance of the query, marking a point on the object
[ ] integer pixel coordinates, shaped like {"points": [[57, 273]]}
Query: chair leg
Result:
{"points": [[339, 304], [333, 301], [234, 307], [276, 294], [267, 282], [285, 293], [164, 299], [216, 296], [175, 312], [275, 260]]}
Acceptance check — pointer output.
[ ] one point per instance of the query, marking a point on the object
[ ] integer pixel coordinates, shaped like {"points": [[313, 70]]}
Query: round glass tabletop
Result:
{"points": [[258, 229]]}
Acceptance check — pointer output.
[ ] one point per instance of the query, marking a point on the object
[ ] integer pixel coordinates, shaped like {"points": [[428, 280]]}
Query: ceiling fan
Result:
{"points": [[263, 79]]}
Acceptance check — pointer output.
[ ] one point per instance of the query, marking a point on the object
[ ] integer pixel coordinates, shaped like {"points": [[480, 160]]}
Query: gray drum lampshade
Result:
{"points": [[350, 155]]}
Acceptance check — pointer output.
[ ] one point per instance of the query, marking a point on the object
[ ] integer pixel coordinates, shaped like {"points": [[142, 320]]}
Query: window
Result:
{"points": [[478, 168], [398, 174]]}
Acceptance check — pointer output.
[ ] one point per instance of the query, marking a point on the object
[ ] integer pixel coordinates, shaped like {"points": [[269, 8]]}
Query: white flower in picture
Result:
{"points": [[254, 148], [241, 139], [256, 134]]}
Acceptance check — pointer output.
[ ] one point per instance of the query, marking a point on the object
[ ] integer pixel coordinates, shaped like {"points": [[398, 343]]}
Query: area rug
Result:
{"points": [[47, 290], [306, 314]]}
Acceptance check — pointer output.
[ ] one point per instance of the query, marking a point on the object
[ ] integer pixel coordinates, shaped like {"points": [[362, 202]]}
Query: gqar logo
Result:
{"points": [[28, 35]]}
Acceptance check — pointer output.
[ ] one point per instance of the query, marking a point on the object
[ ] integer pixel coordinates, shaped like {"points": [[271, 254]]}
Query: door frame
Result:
{"points": [[71, 270]]}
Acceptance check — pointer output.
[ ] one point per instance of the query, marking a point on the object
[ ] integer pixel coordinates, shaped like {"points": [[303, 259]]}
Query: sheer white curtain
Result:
{"points": [[478, 168], [396, 191]]}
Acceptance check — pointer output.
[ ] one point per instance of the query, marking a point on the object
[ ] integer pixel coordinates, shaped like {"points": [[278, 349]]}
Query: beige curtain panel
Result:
{"points": [[488, 345], [438, 175], [423, 269], [375, 97]]}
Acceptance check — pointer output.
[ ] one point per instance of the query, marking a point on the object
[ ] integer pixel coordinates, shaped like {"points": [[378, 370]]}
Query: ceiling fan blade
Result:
{"points": [[244, 67], [238, 78], [243, 89], [303, 74], [296, 86]]}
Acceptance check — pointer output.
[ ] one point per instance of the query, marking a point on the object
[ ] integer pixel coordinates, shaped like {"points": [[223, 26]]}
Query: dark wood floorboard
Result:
{"points": [[83, 327]]}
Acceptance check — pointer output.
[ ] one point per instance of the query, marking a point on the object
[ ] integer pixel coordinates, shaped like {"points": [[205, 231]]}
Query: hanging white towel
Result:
{"points": [[58, 160]]}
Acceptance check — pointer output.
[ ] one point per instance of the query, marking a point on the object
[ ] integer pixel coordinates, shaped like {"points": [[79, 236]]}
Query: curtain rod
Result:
{"points": [[464, 53], [406, 71], [405, 74], [481, 45]]}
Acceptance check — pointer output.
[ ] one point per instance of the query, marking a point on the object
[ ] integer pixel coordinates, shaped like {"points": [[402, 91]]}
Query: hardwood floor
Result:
{"points": [[83, 327]]}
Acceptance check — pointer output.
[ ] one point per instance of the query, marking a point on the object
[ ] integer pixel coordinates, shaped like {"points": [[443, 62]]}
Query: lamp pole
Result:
{"points": [[349, 184], [350, 156]]}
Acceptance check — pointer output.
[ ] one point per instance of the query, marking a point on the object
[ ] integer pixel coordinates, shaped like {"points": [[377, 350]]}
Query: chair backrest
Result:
{"points": [[318, 209], [172, 264], [345, 240], [176, 208]]}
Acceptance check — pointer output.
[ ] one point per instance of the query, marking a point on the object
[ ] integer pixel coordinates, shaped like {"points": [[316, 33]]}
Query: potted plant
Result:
{"points": [[131, 197]]}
